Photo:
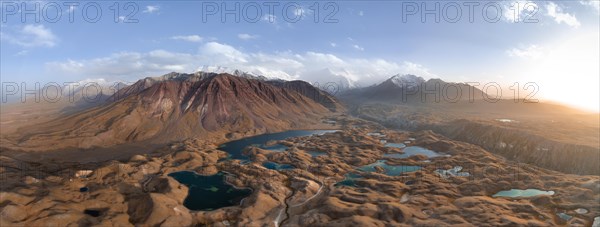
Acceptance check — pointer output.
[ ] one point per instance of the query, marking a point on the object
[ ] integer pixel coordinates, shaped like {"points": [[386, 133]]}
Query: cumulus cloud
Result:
{"points": [[309, 66], [245, 36], [358, 47], [270, 18], [189, 38], [151, 9], [30, 36], [299, 12], [559, 16], [530, 52]]}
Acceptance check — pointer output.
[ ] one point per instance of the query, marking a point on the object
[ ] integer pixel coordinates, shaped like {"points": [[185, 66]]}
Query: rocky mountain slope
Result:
{"points": [[545, 135], [178, 106]]}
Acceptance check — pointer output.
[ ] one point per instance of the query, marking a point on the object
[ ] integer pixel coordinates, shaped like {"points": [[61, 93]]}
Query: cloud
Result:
{"points": [[151, 9], [556, 12], [358, 47], [299, 12], [530, 52], [361, 13], [218, 52], [124, 65], [31, 36], [270, 18], [188, 38], [310, 66], [22, 53], [245, 36], [333, 44], [595, 4]]}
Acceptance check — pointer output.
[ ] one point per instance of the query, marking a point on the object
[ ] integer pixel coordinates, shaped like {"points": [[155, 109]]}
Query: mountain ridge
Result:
{"points": [[182, 107]]}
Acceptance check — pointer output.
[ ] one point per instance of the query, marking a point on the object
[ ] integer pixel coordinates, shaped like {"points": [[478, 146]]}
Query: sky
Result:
{"points": [[549, 49]]}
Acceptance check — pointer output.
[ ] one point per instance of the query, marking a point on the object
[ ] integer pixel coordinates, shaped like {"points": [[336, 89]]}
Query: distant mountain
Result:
{"points": [[178, 106], [413, 89]]}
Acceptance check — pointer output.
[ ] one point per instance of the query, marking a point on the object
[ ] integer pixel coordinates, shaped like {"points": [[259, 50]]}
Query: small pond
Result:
{"points": [[349, 180], [390, 170], [277, 166], [316, 153], [415, 150], [396, 145], [522, 193], [209, 192]]}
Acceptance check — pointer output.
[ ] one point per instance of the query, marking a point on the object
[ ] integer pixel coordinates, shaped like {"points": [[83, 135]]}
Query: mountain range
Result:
{"points": [[178, 106], [414, 90]]}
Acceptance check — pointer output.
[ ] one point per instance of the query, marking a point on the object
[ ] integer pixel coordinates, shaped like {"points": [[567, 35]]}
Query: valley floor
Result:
{"points": [[140, 192]]}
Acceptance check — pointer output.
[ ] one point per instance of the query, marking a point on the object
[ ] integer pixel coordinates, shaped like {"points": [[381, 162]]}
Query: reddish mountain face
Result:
{"points": [[311, 92], [179, 106]]}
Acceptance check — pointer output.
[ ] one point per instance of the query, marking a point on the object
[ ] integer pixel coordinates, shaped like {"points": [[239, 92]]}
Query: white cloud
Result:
{"points": [[530, 52], [189, 38], [270, 18], [223, 53], [151, 9], [333, 44], [308, 66], [71, 8], [556, 12], [22, 53], [358, 47], [595, 4], [31, 36], [245, 36], [299, 12]]}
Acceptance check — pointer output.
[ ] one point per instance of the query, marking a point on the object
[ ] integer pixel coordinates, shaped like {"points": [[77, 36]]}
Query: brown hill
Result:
{"points": [[178, 106]]}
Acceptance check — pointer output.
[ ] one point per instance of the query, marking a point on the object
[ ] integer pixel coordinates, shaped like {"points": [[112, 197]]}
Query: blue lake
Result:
{"points": [[209, 192], [277, 166], [235, 148], [414, 150], [522, 193], [396, 145], [349, 180], [316, 153], [564, 216], [390, 170]]}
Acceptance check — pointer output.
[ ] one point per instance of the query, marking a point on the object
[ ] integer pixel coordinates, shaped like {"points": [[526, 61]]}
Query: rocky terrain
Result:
{"points": [[179, 106], [544, 134], [558, 139], [387, 164], [138, 191]]}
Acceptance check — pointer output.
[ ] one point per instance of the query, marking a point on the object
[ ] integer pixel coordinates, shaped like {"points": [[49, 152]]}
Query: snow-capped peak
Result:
{"points": [[235, 72], [407, 80]]}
